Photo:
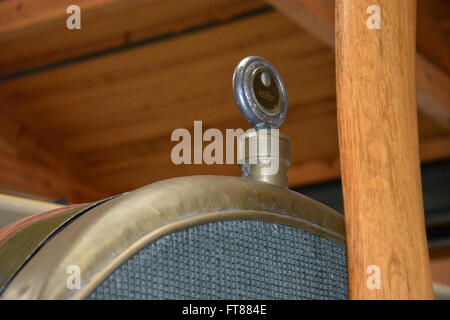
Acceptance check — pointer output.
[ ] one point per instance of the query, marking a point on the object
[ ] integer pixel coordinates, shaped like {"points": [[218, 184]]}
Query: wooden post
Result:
{"points": [[378, 139]]}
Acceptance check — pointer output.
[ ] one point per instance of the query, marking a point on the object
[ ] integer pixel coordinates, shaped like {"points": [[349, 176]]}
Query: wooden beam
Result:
{"points": [[433, 82], [435, 149], [310, 172], [378, 137], [441, 252], [440, 271], [105, 114], [27, 167], [105, 25], [316, 171], [315, 16], [433, 96], [432, 42], [18, 14]]}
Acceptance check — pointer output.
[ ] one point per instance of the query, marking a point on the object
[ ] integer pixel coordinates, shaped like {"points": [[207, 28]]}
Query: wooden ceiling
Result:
{"points": [[87, 114]]}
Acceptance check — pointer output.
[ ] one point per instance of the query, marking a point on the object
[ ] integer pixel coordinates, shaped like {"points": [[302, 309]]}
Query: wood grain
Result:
{"points": [[27, 166], [33, 33], [434, 100], [379, 149], [432, 41], [114, 114], [433, 79], [109, 118], [440, 264]]}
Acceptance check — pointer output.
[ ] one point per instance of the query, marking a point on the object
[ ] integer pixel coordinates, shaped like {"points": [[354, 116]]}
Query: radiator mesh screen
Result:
{"points": [[232, 260]]}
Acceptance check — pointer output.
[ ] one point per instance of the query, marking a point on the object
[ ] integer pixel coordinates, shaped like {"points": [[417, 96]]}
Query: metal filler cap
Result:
{"points": [[260, 93], [263, 152]]}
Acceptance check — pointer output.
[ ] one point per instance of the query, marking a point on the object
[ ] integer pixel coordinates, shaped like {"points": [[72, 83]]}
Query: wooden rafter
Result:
{"points": [[26, 165], [431, 39], [36, 164], [105, 25], [109, 135], [304, 173], [433, 80]]}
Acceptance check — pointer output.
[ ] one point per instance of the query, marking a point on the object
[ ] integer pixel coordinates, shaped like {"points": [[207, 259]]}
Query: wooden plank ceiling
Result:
{"points": [[90, 112]]}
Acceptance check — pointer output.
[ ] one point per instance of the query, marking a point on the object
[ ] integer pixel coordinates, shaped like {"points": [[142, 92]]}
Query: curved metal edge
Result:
{"points": [[100, 241], [8, 231], [23, 239], [32, 240], [22, 207]]}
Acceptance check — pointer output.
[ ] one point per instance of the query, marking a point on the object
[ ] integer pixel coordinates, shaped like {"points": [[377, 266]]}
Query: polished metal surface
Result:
{"points": [[13, 208], [20, 244], [264, 153], [102, 239], [260, 93]]}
